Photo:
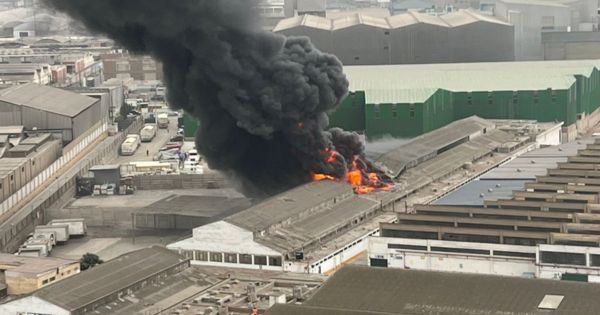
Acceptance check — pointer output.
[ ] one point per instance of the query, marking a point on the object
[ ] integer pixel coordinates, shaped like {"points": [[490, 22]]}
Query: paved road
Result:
{"points": [[162, 137]]}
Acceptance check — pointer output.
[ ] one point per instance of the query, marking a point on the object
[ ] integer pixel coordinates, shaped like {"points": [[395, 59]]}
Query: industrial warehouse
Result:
{"points": [[546, 230], [320, 226], [397, 157], [368, 291], [408, 100], [410, 38]]}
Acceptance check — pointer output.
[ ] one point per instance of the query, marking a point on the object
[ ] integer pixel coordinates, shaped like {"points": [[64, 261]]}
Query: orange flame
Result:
{"points": [[362, 183]]}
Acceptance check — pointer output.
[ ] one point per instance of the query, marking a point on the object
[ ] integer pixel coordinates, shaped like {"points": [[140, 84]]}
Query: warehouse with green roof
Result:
{"points": [[409, 100]]}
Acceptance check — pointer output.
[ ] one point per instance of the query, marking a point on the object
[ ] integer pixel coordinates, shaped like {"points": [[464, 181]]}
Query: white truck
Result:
{"points": [[130, 145], [47, 235], [61, 231], [42, 247], [148, 133], [77, 227], [163, 120]]}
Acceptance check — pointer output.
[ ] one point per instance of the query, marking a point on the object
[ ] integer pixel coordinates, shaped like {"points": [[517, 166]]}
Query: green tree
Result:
{"points": [[125, 110], [88, 261]]}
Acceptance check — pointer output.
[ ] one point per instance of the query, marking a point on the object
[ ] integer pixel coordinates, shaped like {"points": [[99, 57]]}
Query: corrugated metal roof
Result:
{"points": [[286, 205], [454, 19], [426, 146], [79, 291], [417, 83], [48, 99], [398, 291]]}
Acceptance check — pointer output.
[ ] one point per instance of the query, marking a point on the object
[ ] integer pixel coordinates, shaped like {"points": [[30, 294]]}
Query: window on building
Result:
{"points": [[52, 279], [216, 257], [536, 97], [562, 258], [12, 177], [553, 92], [275, 261], [45, 281], [260, 260], [357, 58], [189, 254], [246, 259], [470, 99], [547, 22], [123, 66], [386, 32], [201, 255], [231, 258]]}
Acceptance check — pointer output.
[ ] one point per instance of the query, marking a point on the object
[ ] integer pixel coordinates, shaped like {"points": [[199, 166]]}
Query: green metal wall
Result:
{"points": [[190, 125], [409, 120], [350, 114]]}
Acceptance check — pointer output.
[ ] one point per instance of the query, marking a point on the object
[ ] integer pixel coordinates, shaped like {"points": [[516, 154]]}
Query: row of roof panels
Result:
{"points": [[364, 291], [401, 84], [454, 19], [47, 98]]}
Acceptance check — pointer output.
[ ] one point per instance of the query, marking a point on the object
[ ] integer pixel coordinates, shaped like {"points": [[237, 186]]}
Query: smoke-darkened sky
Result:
{"points": [[261, 98]]}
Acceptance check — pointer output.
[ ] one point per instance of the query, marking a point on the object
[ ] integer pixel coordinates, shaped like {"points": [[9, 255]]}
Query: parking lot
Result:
{"points": [[148, 150]]}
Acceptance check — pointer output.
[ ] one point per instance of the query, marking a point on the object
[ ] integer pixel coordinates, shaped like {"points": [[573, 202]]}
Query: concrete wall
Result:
{"points": [[182, 181], [422, 255], [571, 45]]}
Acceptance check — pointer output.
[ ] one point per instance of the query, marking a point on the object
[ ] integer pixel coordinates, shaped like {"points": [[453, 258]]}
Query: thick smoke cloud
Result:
{"points": [[261, 99]]}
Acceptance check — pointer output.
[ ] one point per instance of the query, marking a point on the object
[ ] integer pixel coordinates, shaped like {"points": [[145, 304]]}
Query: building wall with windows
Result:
{"points": [[226, 245], [558, 262]]}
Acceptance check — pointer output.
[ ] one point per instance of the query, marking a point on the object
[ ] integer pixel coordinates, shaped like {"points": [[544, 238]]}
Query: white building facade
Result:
{"points": [[541, 261]]}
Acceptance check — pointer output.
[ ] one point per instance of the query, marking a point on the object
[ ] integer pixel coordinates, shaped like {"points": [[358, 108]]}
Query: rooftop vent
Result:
{"points": [[551, 302]]}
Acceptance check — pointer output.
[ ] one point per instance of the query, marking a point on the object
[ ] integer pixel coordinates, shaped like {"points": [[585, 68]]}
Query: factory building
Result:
{"points": [[124, 65], [409, 100], [24, 275], [531, 19], [287, 232], [96, 288], [25, 161], [65, 114], [547, 229], [14, 74], [361, 290], [571, 45], [410, 38]]}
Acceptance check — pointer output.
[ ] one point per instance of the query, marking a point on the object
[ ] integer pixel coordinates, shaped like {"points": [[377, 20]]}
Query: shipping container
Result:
{"points": [[61, 231], [77, 226]]}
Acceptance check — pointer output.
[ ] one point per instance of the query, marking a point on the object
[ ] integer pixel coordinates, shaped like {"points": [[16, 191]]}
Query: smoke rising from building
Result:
{"points": [[261, 99]]}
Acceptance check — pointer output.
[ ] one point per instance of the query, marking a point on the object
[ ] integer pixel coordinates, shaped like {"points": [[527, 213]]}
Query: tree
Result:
{"points": [[125, 110], [88, 261]]}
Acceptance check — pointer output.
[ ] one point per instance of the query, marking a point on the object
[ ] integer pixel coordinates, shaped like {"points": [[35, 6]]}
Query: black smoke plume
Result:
{"points": [[261, 99]]}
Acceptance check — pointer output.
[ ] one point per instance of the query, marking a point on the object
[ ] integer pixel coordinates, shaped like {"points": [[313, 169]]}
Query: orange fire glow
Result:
{"points": [[362, 182]]}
